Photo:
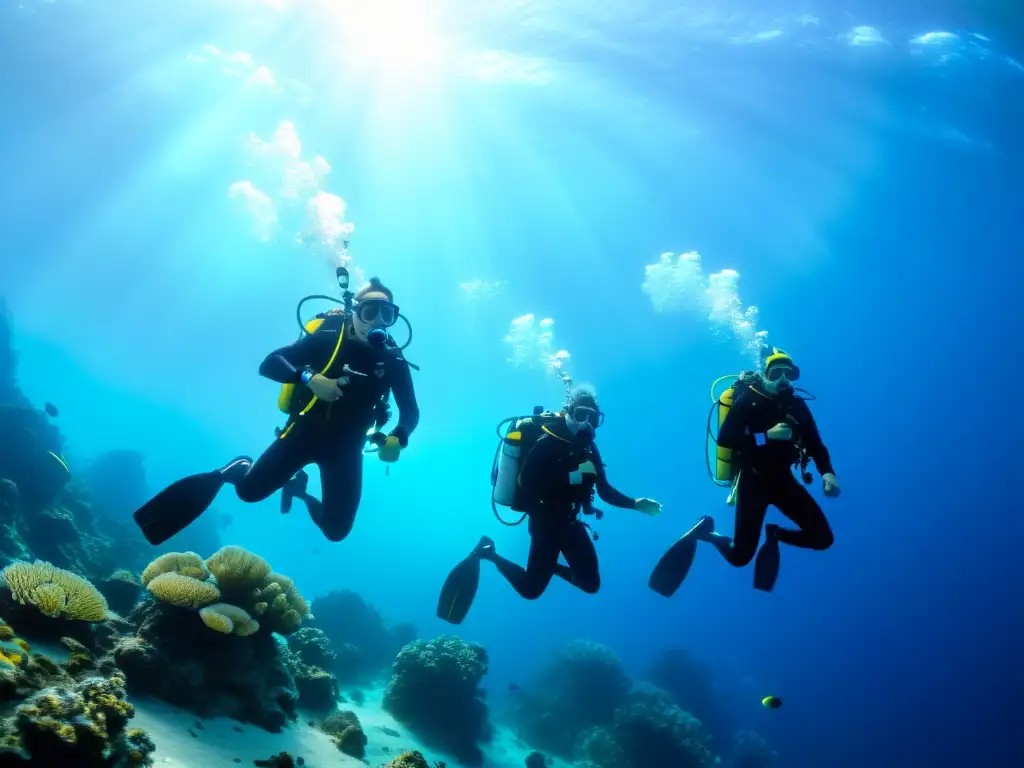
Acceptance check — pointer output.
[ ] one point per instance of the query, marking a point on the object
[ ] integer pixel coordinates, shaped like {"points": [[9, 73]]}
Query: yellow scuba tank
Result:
{"points": [[723, 456], [284, 397], [724, 472]]}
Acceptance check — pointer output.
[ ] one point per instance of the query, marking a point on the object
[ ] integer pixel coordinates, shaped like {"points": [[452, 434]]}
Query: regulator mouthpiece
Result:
{"points": [[376, 337]]}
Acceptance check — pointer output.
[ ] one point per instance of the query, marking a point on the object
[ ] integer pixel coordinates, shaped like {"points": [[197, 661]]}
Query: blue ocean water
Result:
{"points": [[166, 201]]}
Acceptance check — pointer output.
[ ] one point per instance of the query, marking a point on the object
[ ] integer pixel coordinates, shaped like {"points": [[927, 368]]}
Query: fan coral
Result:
{"points": [[55, 592]]}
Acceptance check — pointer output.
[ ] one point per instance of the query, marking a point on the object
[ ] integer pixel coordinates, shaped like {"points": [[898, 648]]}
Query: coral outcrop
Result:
{"points": [[435, 691], [364, 645], [649, 729], [204, 639], [71, 713], [309, 658], [347, 732], [579, 689]]}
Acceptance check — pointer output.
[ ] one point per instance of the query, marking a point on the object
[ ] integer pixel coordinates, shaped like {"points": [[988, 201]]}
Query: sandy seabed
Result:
{"points": [[186, 741]]}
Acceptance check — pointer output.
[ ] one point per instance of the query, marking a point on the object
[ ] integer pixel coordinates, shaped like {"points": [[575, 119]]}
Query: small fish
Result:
{"points": [[51, 409], [771, 702]]}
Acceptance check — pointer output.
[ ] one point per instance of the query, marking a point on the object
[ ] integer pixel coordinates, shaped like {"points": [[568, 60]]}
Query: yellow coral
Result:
{"points": [[6, 633], [54, 591], [237, 570], [183, 591], [218, 622], [122, 574], [283, 608], [185, 563], [224, 617], [5, 661]]}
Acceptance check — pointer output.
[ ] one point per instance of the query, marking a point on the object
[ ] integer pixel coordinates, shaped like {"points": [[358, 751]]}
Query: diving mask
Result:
{"points": [[370, 310], [778, 372], [583, 414]]}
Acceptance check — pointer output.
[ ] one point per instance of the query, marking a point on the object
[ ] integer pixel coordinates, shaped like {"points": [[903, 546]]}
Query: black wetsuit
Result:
{"points": [[554, 510], [331, 435], [766, 476]]}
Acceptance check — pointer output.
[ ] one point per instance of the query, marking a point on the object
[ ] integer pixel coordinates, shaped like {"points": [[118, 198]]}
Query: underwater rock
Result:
{"points": [[536, 760], [363, 644], [10, 394], [280, 760], [121, 589], [175, 658], [580, 689], [31, 455], [346, 730], [435, 691]]}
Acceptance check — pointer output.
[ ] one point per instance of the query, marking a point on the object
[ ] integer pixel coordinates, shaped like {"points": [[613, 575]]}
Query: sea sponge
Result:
{"points": [[183, 591], [54, 591], [185, 563], [229, 619], [238, 571]]}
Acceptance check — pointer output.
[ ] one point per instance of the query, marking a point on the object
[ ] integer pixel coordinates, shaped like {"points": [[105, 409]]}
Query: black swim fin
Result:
{"points": [[671, 570], [766, 566], [178, 505], [460, 587]]}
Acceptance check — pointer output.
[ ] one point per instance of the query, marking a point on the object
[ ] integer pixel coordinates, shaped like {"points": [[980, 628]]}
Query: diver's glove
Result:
{"points": [[647, 507], [829, 485], [780, 431]]}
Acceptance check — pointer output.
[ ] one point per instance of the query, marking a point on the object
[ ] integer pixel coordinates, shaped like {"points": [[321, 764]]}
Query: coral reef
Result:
{"points": [[412, 759], [309, 657], [73, 713], [364, 646], [581, 688], [209, 673], [648, 729], [435, 691], [234, 667], [691, 684]]}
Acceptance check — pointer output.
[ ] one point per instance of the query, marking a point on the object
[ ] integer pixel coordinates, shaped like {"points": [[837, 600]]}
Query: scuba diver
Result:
{"points": [[765, 427], [548, 468], [336, 378]]}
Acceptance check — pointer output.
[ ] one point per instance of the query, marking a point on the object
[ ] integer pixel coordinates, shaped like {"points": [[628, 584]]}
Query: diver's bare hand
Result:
{"points": [[325, 389]]}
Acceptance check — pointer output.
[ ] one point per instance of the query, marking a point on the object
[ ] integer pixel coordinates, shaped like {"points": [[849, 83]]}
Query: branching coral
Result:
{"points": [[55, 592]]}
